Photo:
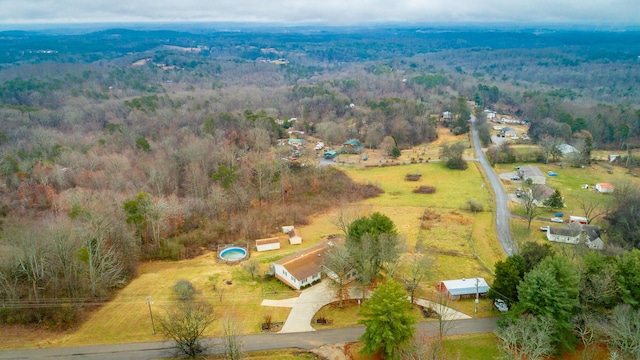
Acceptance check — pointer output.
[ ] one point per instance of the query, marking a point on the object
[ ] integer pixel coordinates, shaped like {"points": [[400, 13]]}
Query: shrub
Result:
{"points": [[184, 290], [425, 190]]}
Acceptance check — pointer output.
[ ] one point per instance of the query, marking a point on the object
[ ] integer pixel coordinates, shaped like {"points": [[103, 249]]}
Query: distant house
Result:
{"points": [[532, 172], [566, 149], [352, 146], [541, 192], [508, 132], [464, 288], [302, 268], [268, 244], [605, 188], [574, 233], [491, 115], [447, 116], [295, 238], [296, 142]]}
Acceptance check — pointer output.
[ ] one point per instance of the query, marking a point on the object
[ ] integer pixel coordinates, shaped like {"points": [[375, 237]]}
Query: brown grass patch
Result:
{"points": [[412, 177]]}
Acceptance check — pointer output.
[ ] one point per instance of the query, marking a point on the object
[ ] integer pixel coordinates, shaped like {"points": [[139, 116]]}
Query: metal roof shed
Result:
{"points": [[464, 288]]}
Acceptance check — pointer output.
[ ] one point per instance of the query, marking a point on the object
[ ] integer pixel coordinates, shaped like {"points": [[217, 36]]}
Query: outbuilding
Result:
{"points": [[605, 188], [267, 244], [464, 288], [295, 238]]}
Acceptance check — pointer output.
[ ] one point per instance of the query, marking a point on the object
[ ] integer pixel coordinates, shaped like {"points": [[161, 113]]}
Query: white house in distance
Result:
{"points": [[605, 188], [573, 233], [267, 244], [464, 288], [532, 172], [302, 268], [295, 238]]}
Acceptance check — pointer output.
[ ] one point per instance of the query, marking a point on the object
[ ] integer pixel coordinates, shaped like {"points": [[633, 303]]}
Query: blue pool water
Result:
{"points": [[233, 253]]}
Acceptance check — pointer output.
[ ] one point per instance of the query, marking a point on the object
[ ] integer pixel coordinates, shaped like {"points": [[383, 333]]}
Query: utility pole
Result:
{"points": [[476, 295], [153, 325]]}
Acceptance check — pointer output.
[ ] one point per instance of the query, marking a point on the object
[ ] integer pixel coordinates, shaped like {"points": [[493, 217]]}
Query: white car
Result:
{"points": [[544, 228], [557, 220], [319, 145], [500, 305]]}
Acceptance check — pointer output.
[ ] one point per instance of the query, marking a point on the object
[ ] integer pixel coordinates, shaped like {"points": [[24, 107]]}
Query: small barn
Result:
{"points": [[464, 288], [295, 238], [605, 188], [267, 244], [287, 228], [534, 173], [302, 268]]}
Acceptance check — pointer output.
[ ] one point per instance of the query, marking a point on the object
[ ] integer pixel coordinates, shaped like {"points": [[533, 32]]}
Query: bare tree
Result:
{"points": [[419, 268], [339, 266], [530, 203], [424, 346], [231, 341], [587, 329], [527, 338], [592, 207], [186, 323], [446, 315], [252, 267], [624, 331]]}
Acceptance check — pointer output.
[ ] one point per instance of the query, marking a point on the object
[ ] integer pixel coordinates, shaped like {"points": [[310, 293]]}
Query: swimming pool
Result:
{"points": [[233, 253]]}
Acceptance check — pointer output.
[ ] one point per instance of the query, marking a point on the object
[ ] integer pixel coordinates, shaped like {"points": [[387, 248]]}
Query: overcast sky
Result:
{"points": [[330, 12]]}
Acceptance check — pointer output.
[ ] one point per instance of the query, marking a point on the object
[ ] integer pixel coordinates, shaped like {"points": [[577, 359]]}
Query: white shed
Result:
{"points": [[295, 238], [267, 244], [286, 229]]}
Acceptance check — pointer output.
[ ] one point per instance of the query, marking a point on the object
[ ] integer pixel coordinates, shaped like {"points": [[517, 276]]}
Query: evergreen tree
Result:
{"points": [[389, 323]]}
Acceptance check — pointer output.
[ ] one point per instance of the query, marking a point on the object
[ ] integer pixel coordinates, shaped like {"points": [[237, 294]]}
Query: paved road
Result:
{"points": [[304, 340], [503, 227]]}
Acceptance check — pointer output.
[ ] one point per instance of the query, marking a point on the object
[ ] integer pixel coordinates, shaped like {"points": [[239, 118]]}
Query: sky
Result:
{"points": [[322, 12]]}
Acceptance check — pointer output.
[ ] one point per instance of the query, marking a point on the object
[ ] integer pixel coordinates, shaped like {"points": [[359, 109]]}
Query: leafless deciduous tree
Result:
{"points": [[231, 341], [528, 338], [340, 266], [185, 323]]}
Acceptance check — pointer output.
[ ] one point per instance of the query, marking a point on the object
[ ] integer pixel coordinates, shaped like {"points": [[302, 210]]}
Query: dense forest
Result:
{"points": [[121, 145]]}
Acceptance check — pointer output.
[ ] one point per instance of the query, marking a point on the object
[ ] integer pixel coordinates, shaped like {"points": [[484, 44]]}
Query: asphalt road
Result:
{"points": [[305, 340], [503, 227]]}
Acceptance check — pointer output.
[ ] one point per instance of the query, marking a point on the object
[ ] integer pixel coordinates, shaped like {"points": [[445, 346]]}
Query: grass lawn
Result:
{"points": [[474, 346]]}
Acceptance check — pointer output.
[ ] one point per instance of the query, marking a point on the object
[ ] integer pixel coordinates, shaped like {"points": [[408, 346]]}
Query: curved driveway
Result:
{"points": [[503, 227]]}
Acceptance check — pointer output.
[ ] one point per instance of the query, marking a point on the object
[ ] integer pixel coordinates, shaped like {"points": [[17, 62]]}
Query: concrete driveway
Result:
{"points": [[305, 306]]}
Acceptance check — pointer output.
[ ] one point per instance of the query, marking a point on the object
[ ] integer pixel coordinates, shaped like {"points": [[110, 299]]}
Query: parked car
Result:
{"points": [[518, 192], [515, 177], [557, 220], [544, 228], [500, 305], [319, 145]]}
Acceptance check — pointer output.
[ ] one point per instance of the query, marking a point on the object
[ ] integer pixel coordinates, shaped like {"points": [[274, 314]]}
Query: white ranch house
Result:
{"points": [[302, 268]]}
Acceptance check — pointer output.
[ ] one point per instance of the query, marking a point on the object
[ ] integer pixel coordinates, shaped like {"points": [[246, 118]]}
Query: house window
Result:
{"points": [[304, 281], [284, 272]]}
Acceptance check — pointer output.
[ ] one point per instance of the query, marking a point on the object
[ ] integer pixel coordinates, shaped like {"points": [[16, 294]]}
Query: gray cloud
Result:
{"points": [[337, 12]]}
